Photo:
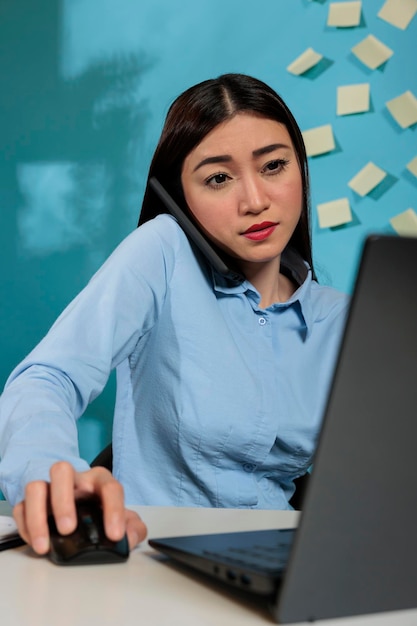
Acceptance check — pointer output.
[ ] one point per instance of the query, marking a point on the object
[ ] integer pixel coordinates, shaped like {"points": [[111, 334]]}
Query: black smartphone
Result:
{"points": [[193, 233]]}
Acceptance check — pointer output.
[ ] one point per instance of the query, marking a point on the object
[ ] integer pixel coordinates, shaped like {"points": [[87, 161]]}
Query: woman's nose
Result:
{"points": [[254, 198]]}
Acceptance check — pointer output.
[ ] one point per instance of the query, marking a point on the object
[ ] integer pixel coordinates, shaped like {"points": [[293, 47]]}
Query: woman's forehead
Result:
{"points": [[242, 132]]}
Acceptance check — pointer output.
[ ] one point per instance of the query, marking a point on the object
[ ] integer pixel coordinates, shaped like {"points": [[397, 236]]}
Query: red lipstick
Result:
{"points": [[259, 232]]}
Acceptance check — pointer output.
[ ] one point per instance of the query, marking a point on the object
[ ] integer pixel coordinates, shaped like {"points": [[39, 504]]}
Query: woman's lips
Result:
{"points": [[258, 232]]}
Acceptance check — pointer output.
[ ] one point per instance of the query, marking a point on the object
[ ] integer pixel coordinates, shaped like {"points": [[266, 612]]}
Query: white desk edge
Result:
{"points": [[145, 590]]}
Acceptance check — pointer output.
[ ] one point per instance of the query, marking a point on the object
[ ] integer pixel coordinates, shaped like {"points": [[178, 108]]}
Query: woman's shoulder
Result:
{"points": [[163, 227], [327, 300], [149, 251], [161, 236]]}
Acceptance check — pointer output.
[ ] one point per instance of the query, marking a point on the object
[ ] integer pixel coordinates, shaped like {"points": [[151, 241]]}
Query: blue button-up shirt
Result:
{"points": [[219, 402]]}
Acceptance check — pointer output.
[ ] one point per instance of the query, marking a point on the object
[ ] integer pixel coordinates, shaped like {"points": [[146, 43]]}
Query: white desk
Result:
{"points": [[143, 591]]}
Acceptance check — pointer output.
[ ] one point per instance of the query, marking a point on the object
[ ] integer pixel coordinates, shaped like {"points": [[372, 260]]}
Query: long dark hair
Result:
{"points": [[198, 111]]}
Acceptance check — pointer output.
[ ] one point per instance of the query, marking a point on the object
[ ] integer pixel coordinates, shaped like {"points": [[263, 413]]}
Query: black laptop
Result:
{"points": [[355, 549]]}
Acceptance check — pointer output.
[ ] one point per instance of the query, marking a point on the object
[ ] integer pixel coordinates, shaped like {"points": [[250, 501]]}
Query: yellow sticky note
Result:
{"points": [[405, 223], [308, 59], [334, 213], [353, 99], [367, 179], [412, 166], [372, 52], [404, 109], [319, 140], [344, 14], [398, 13]]}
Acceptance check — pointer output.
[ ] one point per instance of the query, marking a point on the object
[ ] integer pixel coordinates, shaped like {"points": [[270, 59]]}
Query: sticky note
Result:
{"points": [[353, 99], [404, 109], [334, 213], [308, 59], [405, 223], [344, 14], [412, 166], [319, 140], [372, 52], [398, 13], [367, 179]]}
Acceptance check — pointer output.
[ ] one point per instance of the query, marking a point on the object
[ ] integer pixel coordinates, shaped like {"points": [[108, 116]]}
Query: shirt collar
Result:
{"points": [[294, 266]]}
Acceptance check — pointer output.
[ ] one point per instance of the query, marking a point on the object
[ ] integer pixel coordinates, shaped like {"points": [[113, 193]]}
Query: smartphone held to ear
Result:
{"points": [[193, 233]]}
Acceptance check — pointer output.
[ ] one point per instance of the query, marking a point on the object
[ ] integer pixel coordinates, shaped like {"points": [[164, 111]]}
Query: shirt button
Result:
{"points": [[262, 321], [249, 467]]}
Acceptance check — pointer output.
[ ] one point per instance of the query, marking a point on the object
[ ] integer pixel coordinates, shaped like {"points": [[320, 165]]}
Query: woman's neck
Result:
{"points": [[270, 283]]}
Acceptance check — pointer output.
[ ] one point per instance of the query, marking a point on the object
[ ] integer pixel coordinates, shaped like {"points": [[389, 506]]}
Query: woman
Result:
{"points": [[220, 384]]}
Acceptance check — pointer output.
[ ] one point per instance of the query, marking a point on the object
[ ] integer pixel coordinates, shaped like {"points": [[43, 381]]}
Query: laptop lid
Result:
{"points": [[355, 548]]}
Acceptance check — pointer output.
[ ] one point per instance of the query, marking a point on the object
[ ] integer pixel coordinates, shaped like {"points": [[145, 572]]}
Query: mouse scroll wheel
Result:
{"points": [[91, 529]]}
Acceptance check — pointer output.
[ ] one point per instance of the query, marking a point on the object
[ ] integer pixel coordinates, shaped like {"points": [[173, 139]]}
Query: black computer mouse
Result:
{"points": [[88, 544]]}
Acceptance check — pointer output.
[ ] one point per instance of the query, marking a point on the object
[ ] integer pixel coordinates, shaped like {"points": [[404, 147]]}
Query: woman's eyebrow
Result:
{"points": [[221, 158], [226, 158], [271, 148]]}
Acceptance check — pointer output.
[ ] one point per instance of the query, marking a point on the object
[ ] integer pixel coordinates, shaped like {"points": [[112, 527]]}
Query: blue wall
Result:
{"points": [[85, 85]]}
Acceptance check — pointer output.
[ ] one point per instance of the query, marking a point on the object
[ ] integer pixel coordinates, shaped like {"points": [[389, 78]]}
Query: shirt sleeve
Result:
{"points": [[51, 388]]}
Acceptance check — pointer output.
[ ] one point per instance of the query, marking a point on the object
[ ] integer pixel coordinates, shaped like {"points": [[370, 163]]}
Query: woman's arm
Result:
{"points": [[68, 369]]}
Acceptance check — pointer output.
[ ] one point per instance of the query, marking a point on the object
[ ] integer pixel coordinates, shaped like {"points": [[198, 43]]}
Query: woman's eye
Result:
{"points": [[276, 166], [217, 179]]}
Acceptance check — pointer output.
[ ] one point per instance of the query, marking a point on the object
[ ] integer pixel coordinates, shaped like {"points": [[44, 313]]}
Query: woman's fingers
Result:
{"points": [[58, 499], [111, 494], [61, 495], [31, 516], [135, 528]]}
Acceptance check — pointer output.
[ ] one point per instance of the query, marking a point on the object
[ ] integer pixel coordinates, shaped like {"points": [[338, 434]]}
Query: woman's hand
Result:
{"points": [[58, 497]]}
